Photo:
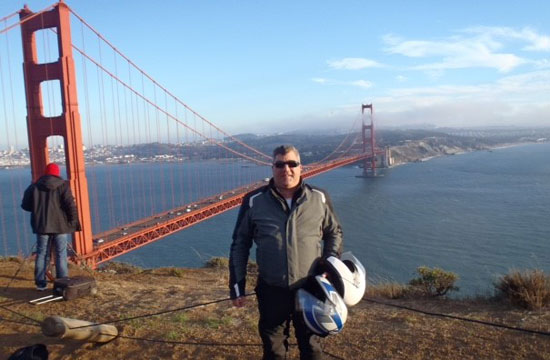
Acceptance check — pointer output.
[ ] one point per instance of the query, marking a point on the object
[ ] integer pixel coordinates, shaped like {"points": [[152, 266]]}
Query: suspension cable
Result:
{"points": [[339, 145], [166, 90], [26, 19], [158, 108], [7, 17]]}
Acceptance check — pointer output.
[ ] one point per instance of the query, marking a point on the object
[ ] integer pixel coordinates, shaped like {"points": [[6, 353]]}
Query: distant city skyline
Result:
{"points": [[266, 67]]}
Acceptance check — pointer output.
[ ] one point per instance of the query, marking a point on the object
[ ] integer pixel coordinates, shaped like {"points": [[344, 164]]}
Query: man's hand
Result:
{"points": [[239, 302]]}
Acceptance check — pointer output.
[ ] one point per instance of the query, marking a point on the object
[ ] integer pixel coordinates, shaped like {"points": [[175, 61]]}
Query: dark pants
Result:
{"points": [[277, 309]]}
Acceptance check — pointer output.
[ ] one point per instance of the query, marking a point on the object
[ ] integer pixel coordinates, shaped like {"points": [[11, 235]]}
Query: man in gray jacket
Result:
{"points": [[293, 226]]}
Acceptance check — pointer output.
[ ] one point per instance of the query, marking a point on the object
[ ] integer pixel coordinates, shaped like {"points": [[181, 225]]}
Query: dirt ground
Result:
{"points": [[220, 331]]}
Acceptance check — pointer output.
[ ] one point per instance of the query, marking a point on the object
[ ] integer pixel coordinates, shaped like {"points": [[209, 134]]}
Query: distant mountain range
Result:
{"points": [[406, 144]]}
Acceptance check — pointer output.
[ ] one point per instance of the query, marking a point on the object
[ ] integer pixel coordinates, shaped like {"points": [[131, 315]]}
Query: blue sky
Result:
{"points": [[271, 66]]}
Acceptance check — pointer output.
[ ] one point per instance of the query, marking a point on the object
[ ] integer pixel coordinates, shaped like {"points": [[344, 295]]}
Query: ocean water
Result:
{"points": [[478, 214]]}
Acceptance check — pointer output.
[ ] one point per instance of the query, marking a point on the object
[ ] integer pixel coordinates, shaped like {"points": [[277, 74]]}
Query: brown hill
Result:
{"points": [[219, 331]]}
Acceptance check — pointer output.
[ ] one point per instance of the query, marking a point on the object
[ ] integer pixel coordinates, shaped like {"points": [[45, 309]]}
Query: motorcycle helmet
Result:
{"points": [[322, 308], [348, 276]]}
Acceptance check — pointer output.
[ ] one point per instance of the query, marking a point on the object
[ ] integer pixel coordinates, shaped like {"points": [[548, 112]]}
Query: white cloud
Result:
{"points": [[401, 78], [532, 87], [362, 83], [534, 40], [353, 64], [512, 100], [539, 43], [542, 64], [357, 83], [456, 53], [479, 46], [501, 62], [519, 99]]}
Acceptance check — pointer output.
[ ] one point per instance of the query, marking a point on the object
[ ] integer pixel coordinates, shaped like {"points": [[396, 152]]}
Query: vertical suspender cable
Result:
{"points": [[94, 192], [190, 161], [148, 140], [171, 162], [135, 126], [103, 117], [130, 128], [16, 145], [180, 154], [161, 167], [122, 205], [2, 90]]}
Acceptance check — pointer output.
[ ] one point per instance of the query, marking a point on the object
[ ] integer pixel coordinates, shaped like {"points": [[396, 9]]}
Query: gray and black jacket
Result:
{"points": [[289, 241], [52, 206]]}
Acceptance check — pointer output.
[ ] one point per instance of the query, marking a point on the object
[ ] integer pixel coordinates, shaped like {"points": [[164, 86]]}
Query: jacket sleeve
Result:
{"points": [[332, 231], [240, 250], [68, 205], [27, 202]]}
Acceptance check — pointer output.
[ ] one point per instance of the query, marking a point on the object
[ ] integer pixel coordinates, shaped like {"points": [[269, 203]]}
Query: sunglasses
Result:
{"points": [[290, 163]]}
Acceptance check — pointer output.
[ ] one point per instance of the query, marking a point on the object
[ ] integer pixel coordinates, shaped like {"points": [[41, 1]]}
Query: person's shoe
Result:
{"points": [[42, 288]]}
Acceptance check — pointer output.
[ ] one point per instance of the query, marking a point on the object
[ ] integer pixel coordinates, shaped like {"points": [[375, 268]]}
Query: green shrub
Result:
{"points": [[529, 289], [181, 318], [217, 323], [172, 335], [434, 281]]}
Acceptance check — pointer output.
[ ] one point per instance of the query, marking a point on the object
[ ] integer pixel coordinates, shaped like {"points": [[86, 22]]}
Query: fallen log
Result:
{"points": [[65, 328]]}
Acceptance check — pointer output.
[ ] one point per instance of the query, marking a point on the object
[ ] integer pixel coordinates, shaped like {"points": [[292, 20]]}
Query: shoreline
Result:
{"points": [[415, 157]]}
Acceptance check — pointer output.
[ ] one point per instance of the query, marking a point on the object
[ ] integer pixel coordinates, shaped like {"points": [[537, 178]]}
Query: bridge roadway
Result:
{"points": [[116, 242]]}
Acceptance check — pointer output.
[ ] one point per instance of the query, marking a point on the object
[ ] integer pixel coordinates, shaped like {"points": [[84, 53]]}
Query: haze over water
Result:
{"points": [[478, 214]]}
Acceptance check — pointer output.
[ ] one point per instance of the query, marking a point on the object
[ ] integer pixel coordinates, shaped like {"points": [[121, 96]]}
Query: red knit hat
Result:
{"points": [[52, 169]]}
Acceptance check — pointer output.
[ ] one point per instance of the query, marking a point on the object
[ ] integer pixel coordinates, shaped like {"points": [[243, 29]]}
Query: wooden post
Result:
{"points": [[65, 328]]}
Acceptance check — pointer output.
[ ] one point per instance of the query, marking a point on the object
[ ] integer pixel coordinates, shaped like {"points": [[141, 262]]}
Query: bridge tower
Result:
{"points": [[370, 162], [67, 124]]}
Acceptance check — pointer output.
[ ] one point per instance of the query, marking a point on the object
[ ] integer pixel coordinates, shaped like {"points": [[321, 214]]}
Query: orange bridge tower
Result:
{"points": [[67, 124], [370, 162]]}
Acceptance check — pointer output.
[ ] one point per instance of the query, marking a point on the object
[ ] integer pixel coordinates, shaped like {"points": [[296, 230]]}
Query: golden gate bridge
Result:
{"points": [[118, 104]]}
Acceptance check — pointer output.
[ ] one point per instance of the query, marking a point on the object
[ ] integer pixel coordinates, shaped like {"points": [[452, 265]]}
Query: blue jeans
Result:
{"points": [[43, 249]]}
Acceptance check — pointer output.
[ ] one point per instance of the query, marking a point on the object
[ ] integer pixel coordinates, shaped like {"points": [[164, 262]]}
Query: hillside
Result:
{"points": [[219, 331]]}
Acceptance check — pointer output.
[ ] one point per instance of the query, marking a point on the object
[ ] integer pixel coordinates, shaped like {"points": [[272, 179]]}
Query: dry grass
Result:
{"points": [[218, 263], [389, 290], [529, 289], [120, 268], [16, 259], [168, 271], [432, 282], [220, 331]]}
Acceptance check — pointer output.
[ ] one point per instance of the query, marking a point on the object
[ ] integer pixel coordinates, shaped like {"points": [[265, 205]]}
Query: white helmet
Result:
{"points": [[348, 276], [322, 307]]}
